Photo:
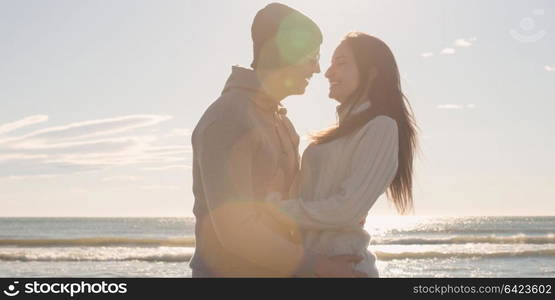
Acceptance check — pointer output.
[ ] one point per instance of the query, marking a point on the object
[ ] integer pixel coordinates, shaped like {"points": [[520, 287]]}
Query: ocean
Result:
{"points": [[409, 246]]}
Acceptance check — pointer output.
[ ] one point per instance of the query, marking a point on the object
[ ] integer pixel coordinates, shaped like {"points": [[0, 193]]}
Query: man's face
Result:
{"points": [[296, 77]]}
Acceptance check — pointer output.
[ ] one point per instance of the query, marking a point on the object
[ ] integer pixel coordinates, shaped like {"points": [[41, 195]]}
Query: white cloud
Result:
{"points": [[137, 156], [28, 121], [30, 177], [121, 178], [171, 167], [41, 167], [464, 42], [100, 127], [549, 68], [448, 51], [78, 190], [21, 156], [449, 106], [180, 132], [76, 147], [89, 146], [461, 42], [160, 187], [175, 149], [456, 106]]}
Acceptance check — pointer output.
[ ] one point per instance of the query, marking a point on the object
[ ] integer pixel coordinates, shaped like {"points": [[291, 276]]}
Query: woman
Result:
{"points": [[348, 166]]}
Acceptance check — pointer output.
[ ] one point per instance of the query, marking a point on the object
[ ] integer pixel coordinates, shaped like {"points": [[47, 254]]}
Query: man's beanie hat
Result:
{"points": [[282, 36]]}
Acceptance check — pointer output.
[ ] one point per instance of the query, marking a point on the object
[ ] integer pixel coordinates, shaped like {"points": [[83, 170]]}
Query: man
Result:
{"points": [[242, 143]]}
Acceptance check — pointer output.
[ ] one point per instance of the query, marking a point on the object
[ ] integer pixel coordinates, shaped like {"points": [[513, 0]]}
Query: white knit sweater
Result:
{"points": [[340, 181]]}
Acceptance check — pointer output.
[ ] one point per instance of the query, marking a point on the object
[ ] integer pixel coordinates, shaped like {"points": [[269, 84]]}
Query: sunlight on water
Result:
{"points": [[380, 225], [406, 246], [422, 246]]}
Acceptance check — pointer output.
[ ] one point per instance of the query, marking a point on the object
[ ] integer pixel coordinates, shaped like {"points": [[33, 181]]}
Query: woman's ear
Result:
{"points": [[372, 75]]}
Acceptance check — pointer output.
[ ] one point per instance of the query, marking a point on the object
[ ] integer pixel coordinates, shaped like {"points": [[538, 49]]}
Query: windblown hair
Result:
{"points": [[386, 98]]}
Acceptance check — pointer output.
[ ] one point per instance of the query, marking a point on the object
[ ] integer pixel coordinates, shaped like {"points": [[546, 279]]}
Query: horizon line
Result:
{"points": [[192, 217]]}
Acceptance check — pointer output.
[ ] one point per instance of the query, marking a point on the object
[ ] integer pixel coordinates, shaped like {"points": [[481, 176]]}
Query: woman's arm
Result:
{"points": [[372, 168]]}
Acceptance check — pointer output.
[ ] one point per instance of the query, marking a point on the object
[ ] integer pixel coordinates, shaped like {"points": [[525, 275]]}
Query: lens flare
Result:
{"points": [[296, 39]]}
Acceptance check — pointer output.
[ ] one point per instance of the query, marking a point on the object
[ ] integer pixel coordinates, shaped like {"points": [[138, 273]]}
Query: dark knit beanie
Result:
{"points": [[282, 36]]}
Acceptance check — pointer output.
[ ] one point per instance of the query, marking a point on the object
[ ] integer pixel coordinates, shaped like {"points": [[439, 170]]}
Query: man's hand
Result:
{"points": [[276, 184], [337, 266]]}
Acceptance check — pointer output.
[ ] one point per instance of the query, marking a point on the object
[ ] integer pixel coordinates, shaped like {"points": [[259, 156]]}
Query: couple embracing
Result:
{"points": [[259, 211]]}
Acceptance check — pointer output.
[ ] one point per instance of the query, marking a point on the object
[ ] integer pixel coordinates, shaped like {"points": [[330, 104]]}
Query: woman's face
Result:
{"points": [[342, 74]]}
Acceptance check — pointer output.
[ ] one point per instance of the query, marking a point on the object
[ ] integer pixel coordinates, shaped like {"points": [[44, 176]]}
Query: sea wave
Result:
{"points": [[515, 239], [100, 242], [185, 257], [483, 231], [170, 254], [190, 241], [385, 256], [27, 257]]}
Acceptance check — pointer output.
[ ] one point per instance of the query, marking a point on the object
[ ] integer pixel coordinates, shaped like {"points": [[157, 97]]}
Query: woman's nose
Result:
{"points": [[328, 73]]}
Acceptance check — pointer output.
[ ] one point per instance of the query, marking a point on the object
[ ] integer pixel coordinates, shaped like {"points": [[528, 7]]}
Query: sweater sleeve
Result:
{"points": [[373, 165]]}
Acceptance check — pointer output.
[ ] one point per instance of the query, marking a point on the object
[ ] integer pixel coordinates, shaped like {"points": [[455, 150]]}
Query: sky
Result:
{"points": [[99, 98]]}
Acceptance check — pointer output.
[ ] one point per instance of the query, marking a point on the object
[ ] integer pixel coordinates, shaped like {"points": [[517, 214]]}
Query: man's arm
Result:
{"points": [[225, 151]]}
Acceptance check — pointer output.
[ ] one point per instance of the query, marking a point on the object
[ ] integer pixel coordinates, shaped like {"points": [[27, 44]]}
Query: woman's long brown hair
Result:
{"points": [[386, 98]]}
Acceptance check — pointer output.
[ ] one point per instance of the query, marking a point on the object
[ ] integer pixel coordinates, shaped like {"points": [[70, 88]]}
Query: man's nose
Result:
{"points": [[317, 68]]}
